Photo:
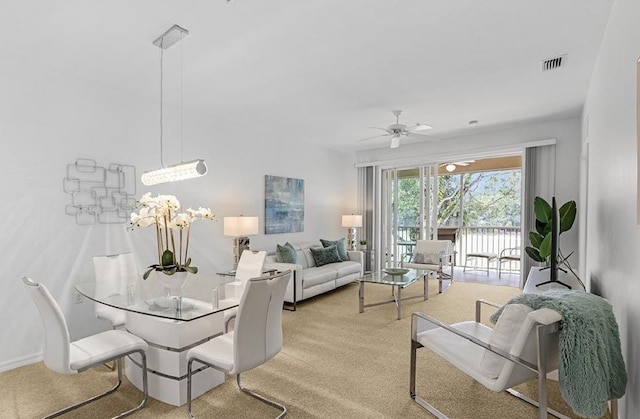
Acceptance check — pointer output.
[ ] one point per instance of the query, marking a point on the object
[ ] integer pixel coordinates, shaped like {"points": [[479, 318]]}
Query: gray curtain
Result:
{"points": [[539, 167], [366, 207]]}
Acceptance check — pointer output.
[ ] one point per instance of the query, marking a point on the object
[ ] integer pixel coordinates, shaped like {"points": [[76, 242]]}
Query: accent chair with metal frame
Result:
{"points": [[523, 345], [256, 338], [250, 266], [435, 255], [66, 357]]}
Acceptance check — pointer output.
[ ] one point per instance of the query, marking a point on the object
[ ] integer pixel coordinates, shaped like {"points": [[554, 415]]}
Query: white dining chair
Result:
{"points": [[250, 266], [66, 357], [256, 338], [111, 274]]}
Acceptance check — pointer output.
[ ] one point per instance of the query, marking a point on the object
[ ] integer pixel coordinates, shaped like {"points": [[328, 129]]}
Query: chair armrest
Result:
{"points": [[546, 316], [445, 259], [421, 322], [479, 306]]}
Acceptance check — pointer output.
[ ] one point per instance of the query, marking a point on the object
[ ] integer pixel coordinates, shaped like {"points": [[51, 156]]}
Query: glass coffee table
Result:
{"points": [[398, 279]]}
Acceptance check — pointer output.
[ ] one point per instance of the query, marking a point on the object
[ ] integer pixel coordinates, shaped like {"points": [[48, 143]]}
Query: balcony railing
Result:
{"points": [[468, 240]]}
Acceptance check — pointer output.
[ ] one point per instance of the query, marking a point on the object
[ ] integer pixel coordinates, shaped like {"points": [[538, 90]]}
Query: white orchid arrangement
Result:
{"points": [[162, 212]]}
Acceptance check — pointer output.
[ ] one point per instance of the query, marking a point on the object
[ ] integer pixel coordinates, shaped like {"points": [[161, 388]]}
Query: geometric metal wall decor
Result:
{"points": [[104, 195]]}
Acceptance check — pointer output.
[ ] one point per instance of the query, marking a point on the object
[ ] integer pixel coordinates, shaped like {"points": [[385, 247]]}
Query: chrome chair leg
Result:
{"points": [[263, 399], [118, 361], [226, 323], [111, 365]]}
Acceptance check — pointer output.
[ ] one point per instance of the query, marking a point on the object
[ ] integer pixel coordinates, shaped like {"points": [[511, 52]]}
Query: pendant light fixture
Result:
{"points": [[183, 170]]}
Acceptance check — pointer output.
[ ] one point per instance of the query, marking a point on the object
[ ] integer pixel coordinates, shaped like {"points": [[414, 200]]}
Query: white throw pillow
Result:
{"points": [[505, 332]]}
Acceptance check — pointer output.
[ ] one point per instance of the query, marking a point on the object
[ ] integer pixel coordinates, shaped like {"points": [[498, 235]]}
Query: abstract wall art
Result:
{"points": [[283, 205]]}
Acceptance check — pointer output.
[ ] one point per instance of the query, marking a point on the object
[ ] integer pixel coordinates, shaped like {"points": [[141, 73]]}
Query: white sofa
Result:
{"points": [[309, 280]]}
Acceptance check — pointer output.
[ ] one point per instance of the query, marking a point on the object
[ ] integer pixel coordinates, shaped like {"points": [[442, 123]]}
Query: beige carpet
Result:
{"points": [[336, 363]]}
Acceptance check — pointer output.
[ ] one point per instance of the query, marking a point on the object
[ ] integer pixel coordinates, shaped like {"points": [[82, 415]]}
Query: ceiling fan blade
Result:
{"points": [[371, 138], [419, 127], [383, 129], [422, 136]]}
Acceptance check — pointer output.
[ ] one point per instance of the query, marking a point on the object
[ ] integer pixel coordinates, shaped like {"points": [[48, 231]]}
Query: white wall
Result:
{"points": [[613, 237], [48, 120], [566, 132]]}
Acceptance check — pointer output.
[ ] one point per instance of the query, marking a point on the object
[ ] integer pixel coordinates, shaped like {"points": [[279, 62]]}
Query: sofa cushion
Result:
{"points": [[341, 246], [502, 337], [318, 275], [347, 268], [286, 253], [305, 258], [326, 255]]}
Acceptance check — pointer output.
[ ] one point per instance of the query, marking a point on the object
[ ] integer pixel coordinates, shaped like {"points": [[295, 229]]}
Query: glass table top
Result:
{"points": [[382, 277], [157, 296]]}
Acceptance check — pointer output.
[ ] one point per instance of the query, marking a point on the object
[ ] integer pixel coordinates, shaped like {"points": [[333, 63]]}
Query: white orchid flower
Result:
{"points": [[146, 200], [169, 202], [180, 221], [162, 212], [145, 218], [206, 213], [201, 213]]}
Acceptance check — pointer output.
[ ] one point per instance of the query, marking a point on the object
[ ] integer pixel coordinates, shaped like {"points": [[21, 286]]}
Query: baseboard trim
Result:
{"points": [[21, 362]]}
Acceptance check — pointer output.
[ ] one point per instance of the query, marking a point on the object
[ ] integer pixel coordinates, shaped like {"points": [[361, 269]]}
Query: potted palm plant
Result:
{"points": [[551, 222]]}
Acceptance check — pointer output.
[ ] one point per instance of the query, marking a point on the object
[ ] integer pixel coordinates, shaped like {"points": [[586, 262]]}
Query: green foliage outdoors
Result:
{"points": [[490, 199]]}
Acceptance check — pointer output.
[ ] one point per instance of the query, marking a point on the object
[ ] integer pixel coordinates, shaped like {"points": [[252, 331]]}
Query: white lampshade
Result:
{"points": [[180, 171], [352, 221], [241, 226], [395, 141], [450, 167]]}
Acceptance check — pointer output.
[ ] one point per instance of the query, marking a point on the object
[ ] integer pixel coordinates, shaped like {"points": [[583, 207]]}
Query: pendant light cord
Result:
{"points": [[161, 110], [181, 141]]}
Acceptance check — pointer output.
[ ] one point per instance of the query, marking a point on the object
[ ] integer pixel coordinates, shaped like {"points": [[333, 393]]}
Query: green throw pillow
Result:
{"points": [[286, 253], [325, 255], [341, 246]]}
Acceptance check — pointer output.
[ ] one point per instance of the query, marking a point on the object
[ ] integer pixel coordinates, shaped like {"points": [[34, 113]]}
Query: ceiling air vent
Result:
{"points": [[553, 63]]}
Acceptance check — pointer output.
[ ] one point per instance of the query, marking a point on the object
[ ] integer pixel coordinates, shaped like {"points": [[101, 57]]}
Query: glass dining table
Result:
{"points": [[202, 295], [171, 323]]}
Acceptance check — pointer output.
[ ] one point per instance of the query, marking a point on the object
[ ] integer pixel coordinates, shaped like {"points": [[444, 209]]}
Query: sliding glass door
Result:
{"points": [[409, 210]]}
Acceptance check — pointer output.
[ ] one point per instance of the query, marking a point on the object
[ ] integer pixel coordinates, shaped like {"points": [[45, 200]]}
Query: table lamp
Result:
{"points": [[239, 228], [351, 222]]}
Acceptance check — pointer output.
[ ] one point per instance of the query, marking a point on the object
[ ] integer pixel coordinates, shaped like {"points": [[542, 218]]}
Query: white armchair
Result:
{"points": [[523, 345], [436, 255]]}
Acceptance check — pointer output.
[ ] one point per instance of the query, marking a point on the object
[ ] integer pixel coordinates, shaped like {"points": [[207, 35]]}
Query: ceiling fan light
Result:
{"points": [[450, 167], [395, 141]]}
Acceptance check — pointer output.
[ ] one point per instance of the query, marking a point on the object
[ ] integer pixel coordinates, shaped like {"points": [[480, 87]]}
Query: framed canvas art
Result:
{"points": [[283, 205]]}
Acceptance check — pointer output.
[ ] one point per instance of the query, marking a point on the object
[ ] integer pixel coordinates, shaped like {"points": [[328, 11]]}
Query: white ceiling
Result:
{"points": [[322, 71]]}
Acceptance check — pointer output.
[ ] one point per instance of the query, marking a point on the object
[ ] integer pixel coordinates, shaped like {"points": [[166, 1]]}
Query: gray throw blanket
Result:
{"points": [[592, 370]]}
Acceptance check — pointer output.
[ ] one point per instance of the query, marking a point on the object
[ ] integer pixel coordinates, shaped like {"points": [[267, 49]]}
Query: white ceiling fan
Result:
{"points": [[450, 167], [397, 130]]}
